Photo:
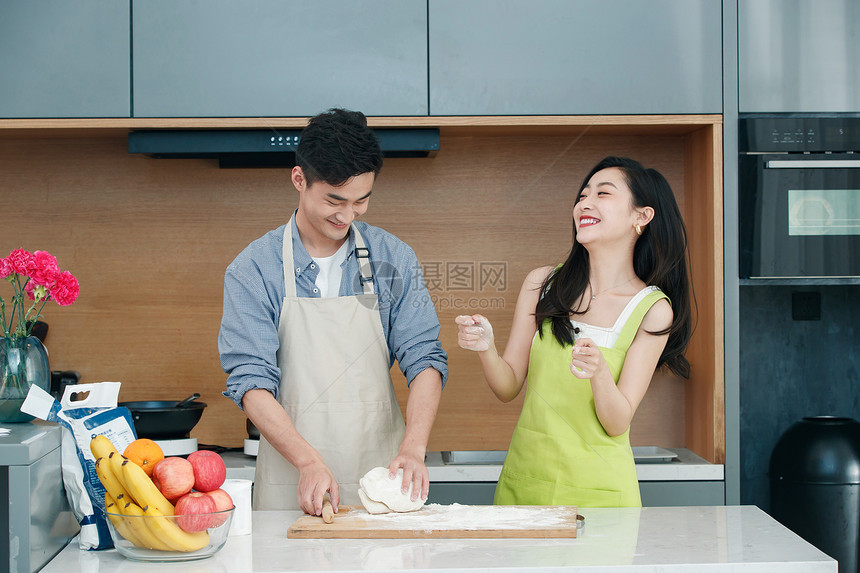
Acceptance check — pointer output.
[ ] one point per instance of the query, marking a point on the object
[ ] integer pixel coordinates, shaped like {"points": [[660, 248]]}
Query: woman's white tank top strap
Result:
{"points": [[606, 337]]}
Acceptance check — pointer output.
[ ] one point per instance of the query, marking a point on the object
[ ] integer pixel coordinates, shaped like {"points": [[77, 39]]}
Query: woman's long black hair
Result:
{"points": [[659, 259]]}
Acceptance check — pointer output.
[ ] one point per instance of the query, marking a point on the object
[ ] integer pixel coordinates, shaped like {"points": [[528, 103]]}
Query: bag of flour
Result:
{"points": [[84, 411]]}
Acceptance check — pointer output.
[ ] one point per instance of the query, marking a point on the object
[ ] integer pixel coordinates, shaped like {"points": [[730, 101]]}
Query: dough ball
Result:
{"points": [[379, 488], [372, 506]]}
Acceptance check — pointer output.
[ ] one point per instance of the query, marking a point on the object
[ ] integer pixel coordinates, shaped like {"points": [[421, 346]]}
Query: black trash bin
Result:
{"points": [[815, 485]]}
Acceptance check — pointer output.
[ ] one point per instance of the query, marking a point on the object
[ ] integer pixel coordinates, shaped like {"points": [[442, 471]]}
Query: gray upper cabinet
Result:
{"points": [[64, 59], [799, 56], [222, 58], [511, 57]]}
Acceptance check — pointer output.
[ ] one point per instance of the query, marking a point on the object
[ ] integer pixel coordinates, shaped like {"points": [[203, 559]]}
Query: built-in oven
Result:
{"points": [[799, 196]]}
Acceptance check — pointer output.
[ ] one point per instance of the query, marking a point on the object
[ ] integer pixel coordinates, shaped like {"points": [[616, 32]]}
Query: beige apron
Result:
{"points": [[335, 386]]}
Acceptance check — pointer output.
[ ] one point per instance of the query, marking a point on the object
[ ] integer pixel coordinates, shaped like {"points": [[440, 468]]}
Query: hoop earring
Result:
{"points": [[638, 229]]}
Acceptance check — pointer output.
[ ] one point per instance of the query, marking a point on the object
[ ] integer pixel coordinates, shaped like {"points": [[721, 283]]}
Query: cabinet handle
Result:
{"points": [[814, 164]]}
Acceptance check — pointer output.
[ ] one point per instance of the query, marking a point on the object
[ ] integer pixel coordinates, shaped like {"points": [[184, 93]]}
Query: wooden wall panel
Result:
{"points": [[149, 240], [705, 400]]}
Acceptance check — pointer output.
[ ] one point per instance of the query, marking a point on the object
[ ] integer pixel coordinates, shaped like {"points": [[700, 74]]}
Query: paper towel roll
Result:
{"points": [[240, 491]]}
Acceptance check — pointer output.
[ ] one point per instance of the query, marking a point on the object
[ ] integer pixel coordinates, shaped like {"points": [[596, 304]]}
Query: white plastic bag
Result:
{"points": [[94, 412]]}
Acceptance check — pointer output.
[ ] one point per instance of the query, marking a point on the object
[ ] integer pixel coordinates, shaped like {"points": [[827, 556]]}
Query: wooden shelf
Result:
{"points": [[603, 124]]}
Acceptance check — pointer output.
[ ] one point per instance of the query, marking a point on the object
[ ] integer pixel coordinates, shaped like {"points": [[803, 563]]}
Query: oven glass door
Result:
{"points": [[800, 215]]}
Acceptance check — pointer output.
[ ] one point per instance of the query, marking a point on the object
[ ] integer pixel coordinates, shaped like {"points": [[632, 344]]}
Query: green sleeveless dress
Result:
{"points": [[559, 453]]}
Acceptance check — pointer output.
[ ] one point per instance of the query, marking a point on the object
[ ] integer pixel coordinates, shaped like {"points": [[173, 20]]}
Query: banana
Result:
{"points": [[115, 460], [168, 532], [120, 523], [101, 447], [138, 523], [111, 482], [141, 488]]}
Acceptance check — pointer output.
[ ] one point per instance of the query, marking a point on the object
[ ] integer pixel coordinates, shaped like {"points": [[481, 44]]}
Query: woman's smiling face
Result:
{"points": [[604, 208]]}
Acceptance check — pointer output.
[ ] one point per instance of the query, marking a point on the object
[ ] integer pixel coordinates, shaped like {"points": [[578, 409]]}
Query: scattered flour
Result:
{"points": [[435, 516]]}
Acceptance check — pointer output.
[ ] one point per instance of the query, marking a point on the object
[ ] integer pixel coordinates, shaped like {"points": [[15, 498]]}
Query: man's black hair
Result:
{"points": [[337, 145]]}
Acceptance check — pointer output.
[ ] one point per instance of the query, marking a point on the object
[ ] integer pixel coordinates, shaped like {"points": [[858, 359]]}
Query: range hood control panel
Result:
{"points": [[284, 141]]}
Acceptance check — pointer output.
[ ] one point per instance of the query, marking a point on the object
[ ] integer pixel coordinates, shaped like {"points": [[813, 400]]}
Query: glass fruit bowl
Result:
{"points": [[169, 538]]}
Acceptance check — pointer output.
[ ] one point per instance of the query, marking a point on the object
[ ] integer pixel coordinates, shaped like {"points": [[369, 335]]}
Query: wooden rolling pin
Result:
{"points": [[327, 511]]}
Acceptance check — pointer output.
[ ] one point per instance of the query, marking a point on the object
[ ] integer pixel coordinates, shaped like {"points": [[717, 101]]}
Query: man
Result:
{"points": [[315, 313]]}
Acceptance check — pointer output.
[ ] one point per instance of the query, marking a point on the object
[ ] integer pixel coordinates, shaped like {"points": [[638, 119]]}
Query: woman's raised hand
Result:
{"points": [[474, 332], [586, 359]]}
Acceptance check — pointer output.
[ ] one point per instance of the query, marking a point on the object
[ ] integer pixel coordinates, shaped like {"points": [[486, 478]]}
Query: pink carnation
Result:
{"points": [[45, 269], [22, 262], [35, 291], [28, 288], [65, 290], [5, 268]]}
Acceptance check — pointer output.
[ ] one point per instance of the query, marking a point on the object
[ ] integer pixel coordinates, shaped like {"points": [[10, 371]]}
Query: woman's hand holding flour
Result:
{"points": [[586, 359], [474, 332]]}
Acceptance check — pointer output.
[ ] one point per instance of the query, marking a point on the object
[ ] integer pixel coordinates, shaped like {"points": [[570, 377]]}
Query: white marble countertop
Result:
{"points": [[651, 539], [688, 467]]}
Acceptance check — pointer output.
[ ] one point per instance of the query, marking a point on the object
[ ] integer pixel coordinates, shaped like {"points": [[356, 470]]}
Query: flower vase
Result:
{"points": [[23, 362]]}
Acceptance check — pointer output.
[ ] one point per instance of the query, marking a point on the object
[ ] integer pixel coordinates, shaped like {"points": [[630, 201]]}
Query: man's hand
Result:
{"points": [[414, 472], [315, 479]]}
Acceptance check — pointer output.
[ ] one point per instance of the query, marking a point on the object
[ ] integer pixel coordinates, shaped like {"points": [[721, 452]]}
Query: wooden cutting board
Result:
{"points": [[442, 521]]}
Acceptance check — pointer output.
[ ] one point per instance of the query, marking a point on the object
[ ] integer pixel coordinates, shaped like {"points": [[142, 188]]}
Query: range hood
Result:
{"points": [[265, 147]]}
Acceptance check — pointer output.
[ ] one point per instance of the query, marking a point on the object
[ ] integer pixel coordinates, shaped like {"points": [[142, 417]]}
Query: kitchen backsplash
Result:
{"points": [[149, 240]]}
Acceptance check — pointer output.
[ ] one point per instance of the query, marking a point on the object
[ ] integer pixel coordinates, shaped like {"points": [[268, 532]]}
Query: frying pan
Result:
{"points": [[165, 419]]}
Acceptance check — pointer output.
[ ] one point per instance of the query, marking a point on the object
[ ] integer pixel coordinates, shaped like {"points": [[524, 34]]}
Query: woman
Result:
{"points": [[589, 334]]}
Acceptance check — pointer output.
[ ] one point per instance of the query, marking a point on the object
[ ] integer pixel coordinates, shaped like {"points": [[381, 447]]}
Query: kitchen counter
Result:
{"points": [[652, 539], [687, 467]]}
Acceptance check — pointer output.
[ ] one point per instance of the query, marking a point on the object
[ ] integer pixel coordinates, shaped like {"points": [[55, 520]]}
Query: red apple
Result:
{"points": [[173, 476], [193, 511], [209, 470], [222, 501]]}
